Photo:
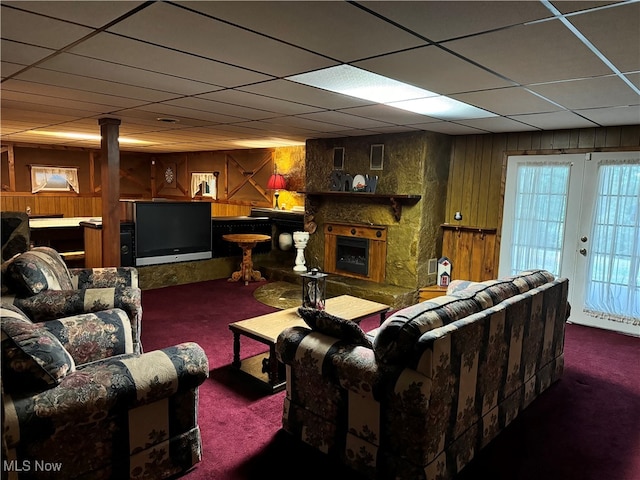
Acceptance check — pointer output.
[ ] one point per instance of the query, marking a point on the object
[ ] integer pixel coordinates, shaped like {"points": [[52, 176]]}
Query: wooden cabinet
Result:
{"points": [[427, 293]]}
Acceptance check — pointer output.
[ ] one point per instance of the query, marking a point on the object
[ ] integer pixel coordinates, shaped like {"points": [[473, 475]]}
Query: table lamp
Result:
{"points": [[276, 182]]}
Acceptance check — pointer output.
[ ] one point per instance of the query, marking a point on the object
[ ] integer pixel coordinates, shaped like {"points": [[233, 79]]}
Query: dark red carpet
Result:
{"points": [[585, 427]]}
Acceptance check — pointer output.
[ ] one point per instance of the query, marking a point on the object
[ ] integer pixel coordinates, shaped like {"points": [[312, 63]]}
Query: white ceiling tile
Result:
{"points": [[22, 54], [280, 129], [194, 33], [308, 124], [252, 100], [542, 52], [125, 51], [8, 69], [608, 117], [589, 93], [185, 116], [344, 119], [393, 129], [572, 6], [306, 23], [449, 128], [197, 103], [389, 114], [634, 78], [554, 121], [296, 92], [66, 106], [34, 117], [87, 84], [497, 124], [112, 72], [93, 14], [615, 32], [61, 92], [442, 20], [41, 31], [433, 69], [507, 101]]}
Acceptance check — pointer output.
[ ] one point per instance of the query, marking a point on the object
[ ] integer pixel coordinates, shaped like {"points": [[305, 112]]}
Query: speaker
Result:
{"points": [[126, 247]]}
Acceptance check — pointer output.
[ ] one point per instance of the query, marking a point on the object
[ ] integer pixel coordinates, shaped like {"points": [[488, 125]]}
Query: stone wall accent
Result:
{"points": [[414, 163]]}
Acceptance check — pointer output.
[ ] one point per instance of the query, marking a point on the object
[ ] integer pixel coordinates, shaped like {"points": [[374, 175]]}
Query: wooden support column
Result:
{"points": [[110, 177]]}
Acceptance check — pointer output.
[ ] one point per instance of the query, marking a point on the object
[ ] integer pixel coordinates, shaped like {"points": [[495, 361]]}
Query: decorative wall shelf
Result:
{"points": [[465, 228], [396, 200]]}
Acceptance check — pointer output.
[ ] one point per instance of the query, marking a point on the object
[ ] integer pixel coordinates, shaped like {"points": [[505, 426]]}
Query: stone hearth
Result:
{"points": [[392, 295]]}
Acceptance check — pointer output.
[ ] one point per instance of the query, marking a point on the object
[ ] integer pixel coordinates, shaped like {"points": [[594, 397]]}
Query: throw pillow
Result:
{"points": [[41, 268], [32, 358], [323, 322]]}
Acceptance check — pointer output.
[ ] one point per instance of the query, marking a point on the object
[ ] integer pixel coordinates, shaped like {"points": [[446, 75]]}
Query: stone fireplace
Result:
{"points": [[355, 250], [400, 222]]}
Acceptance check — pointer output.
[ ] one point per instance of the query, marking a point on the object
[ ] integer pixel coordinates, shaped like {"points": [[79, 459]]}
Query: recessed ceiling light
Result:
{"points": [[167, 120], [359, 83]]}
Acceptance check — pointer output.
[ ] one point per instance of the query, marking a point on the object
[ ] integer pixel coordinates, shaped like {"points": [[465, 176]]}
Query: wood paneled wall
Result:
{"points": [[242, 177], [476, 183], [471, 251], [69, 205]]}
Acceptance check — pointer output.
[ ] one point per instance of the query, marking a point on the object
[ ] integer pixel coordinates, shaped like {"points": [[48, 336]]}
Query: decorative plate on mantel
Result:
{"points": [[359, 183]]}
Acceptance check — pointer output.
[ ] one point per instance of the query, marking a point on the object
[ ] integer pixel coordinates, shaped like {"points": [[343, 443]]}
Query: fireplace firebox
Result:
{"points": [[355, 250], [352, 255]]}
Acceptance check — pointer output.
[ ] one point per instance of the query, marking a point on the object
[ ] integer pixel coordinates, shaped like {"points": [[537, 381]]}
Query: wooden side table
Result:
{"points": [[427, 293], [246, 241]]}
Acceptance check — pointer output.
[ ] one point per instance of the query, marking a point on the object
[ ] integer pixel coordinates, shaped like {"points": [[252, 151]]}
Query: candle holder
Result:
{"points": [[314, 289]]}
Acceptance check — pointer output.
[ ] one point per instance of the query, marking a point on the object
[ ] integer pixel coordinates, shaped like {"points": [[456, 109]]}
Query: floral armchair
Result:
{"points": [[39, 283], [78, 402]]}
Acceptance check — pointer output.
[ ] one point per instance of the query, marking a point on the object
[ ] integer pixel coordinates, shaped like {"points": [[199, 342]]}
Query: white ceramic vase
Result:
{"points": [[300, 240], [285, 241]]}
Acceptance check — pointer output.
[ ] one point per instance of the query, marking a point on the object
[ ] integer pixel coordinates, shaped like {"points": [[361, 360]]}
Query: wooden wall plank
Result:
{"points": [[561, 139], [612, 138], [587, 138], [630, 135], [465, 192]]}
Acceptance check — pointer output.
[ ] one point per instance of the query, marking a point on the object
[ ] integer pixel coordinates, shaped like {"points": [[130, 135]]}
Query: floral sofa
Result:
{"points": [[419, 396], [39, 283], [79, 399]]}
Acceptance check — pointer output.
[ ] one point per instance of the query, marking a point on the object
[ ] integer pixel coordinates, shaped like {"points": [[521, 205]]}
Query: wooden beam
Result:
{"points": [[110, 176]]}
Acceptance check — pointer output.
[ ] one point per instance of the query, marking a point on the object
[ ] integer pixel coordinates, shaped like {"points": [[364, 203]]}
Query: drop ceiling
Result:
{"points": [[218, 70]]}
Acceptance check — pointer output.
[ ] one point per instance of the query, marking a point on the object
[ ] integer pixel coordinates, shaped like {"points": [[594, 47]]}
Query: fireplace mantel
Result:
{"points": [[396, 200]]}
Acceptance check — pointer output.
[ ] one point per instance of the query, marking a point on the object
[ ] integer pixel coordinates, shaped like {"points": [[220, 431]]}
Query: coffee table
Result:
{"points": [[266, 328]]}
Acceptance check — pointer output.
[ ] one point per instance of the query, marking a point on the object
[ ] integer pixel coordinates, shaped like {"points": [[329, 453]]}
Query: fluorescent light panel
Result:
{"points": [[87, 136], [355, 82]]}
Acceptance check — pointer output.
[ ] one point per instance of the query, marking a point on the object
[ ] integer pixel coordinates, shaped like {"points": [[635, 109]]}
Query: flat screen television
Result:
{"points": [[167, 232]]}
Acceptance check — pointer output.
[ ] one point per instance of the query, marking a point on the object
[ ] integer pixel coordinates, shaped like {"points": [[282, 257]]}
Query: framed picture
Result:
{"points": [[376, 159], [54, 179], [204, 184], [338, 158]]}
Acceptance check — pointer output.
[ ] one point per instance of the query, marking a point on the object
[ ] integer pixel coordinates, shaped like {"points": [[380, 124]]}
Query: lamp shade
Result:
{"points": [[277, 182]]}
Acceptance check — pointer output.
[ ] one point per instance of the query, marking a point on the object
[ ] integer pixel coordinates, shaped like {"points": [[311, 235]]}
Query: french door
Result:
{"points": [[578, 216]]}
